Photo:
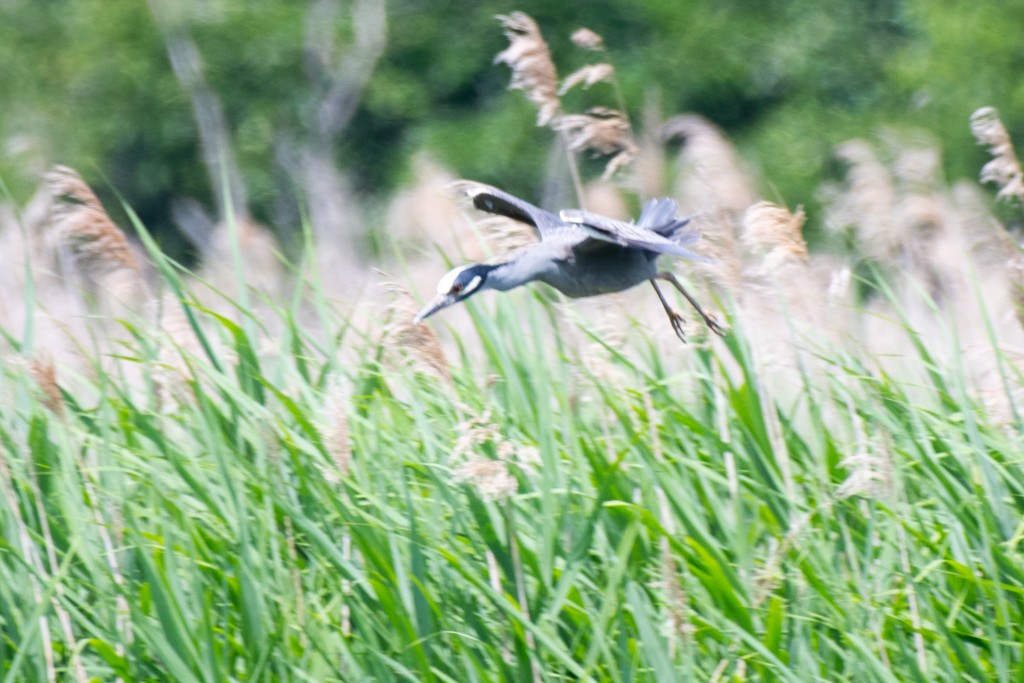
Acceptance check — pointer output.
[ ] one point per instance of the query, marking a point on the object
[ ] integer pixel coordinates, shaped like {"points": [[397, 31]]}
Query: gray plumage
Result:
{"points": [[579, 253]]}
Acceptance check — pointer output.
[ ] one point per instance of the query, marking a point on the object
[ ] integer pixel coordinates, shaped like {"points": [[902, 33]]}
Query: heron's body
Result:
{"points": [[579, 253], [578, 266]]}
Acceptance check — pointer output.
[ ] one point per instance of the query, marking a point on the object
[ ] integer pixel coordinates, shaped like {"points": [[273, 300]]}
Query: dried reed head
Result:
{"points": [[768, 577], [526, 458], [922, 210], [533, 72], [1015, 275], [173, 372], [1001, 400], [426, 209], [587, 39], [774, 231], [987, 239], [258, 249], [648, 177], [43, 372], [712, 184], [838, 290], [505, 235], [587, 76], [917, 166], [416, 339], [711, 176], [96, 244], [67, 185], [491, 478], [336, 434], [868, 201], [603, 131], [1004, 169], [871, 475], [476, 430], [606, 198], [718, 241]]}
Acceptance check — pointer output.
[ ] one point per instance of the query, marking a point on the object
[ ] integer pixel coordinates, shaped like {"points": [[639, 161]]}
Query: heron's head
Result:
{"points": [[458, 285]]}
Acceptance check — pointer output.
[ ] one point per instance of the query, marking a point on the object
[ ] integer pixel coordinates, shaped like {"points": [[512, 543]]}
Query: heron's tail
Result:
{"points": [[659, 215]]}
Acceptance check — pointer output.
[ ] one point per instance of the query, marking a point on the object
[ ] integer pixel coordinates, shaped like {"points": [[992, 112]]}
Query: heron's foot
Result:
{"points": [[678, 324], [715, 326]]}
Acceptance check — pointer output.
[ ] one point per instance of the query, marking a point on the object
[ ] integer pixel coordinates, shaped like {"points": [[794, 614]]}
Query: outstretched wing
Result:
{"points": [[624, 234], [493, 200]]}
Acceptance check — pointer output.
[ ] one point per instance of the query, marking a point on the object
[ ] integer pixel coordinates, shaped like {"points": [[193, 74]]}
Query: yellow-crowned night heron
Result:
{"points": [[579, 254]]}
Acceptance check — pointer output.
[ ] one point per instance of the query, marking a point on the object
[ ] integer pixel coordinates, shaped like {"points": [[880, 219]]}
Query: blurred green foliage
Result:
{"points": [[88, 83]]}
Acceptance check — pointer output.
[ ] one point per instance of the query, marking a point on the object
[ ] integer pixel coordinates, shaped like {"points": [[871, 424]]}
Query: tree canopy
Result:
{"points": [[90, 83]]}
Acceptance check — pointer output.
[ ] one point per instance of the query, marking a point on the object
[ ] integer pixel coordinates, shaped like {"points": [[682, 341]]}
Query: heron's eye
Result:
{"points": [[456, 288]]}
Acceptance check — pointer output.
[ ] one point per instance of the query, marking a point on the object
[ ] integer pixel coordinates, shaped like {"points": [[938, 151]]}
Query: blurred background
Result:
{"points": [[327, 108]]}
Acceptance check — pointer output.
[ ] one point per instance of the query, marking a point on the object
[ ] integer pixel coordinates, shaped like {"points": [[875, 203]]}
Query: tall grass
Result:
{"points": [[667, 519]]}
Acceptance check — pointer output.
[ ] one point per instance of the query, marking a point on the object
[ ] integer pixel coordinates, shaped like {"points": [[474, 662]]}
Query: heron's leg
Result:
{"points": [[673, 315], [708, 319]]}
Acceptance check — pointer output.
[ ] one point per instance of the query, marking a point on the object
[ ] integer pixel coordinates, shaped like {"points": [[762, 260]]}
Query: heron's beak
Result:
{"points": [[440, 301]]}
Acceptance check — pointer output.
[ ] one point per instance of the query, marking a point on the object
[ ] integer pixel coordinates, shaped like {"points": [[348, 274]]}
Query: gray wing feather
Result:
{"points": [[493, 200], [660, 216], [629, 235], [657, 213]]}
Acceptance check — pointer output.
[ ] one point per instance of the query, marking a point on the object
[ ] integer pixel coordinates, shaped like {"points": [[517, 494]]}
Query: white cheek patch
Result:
{"points": [[473, 284], [445, 285]]}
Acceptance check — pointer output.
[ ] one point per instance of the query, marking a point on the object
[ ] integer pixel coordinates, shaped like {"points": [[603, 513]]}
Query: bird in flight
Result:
{"points": [[580, 254]]}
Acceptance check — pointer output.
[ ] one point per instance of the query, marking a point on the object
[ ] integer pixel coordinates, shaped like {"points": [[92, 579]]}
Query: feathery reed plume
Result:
{"points": [[1004, 169], [429, 201], [775, 232], [768, 577], [474, 431], [1015, 274], [97, 245], [504, 234], [838, 290], [712, 184], [491, 478], [933, 244], [587, 39], [603, 131], [43, 372], [677, 621], [648, 174], [871, 475], [419, 340], [986, 237], [525, 458], [718, 241], [920, 208], [336, 435], [533, 72], [173, 372], [871, 467], [712, 177], [868, 201], [605, 197], [917, 166], [258, 250], [66, 184], [587, 76]]}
